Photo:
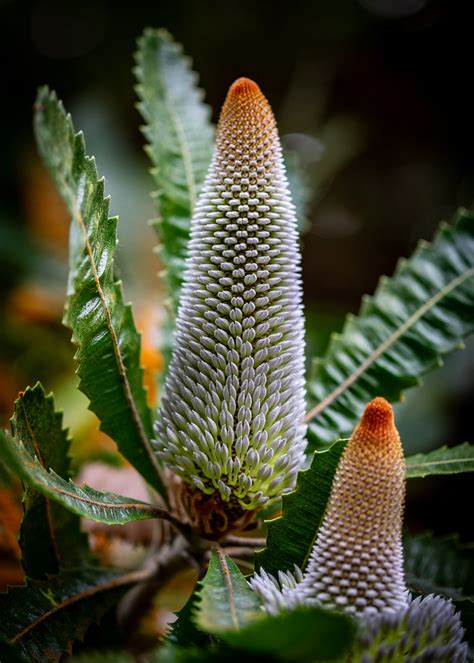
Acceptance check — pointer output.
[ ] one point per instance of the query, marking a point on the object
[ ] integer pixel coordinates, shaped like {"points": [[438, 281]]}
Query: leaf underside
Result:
{"points": [[180, 143], [108, 344], [443, 566], [414, 318], [50, 535], [446, 460], [44, 618], [108, 508]]}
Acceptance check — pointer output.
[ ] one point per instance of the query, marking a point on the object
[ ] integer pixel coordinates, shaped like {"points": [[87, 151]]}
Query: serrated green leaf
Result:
{"points": [[44, 618], [304, 634], [415, 317], [226, 600], [183, 630], [446, 460], [291, 537], [50, 535], [180, 142], [108, 508], [108, 344]]}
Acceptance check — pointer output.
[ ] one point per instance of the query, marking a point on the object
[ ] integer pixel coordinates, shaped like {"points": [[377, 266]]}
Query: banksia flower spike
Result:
{"points": [[357, 560], [230, 422], [429, 629]]}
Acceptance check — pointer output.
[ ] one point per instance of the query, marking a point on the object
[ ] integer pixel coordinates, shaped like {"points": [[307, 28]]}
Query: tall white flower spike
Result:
{"points": [[357, 560], [230, 421]]}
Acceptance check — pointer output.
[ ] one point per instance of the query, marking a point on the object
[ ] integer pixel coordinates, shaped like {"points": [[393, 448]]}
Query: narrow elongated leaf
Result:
{"points": [[226, 600], [447, 460], [291, 537], [44, 618], [180, 142], [304, 634], [106, 508], [415, 317], [108, 344], [50, 535]]}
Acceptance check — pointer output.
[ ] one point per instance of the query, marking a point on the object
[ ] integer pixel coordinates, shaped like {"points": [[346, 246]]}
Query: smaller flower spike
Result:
{"points": [[429, 629], [230, 421], [357, 560]]}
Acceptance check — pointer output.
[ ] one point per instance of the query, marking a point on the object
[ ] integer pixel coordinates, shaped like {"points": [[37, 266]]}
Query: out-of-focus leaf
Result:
{"points": [[102, 657], [183, 630], [180, 143], [291, 537], [421, 313], [44, 618], [443, 566], [304, 634], [440, 566], [50, 535], [102, 507], [300, 189], [108, 344], [226, 600], [447, 460]]}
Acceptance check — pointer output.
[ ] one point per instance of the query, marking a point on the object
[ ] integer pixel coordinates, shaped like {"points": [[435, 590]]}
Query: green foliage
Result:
{"points": [[291, 537], [108, 344], [446, 460], [102, 507], [414, 318], [180, 143], [304, 634], [443, 566], [44, 618], [226, 600], [50, 535], [184, 631], [421, 313]]}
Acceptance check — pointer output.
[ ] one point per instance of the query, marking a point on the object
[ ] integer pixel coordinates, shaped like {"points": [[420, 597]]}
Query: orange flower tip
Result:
{"points": [[378, 416], [242, 87]]}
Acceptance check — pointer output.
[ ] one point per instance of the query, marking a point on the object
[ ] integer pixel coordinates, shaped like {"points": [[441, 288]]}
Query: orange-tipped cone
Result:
{"points": [[357, 561]]}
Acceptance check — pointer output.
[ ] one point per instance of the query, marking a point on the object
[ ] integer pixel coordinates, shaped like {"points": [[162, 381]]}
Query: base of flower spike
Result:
{"points": [[212, 517]]}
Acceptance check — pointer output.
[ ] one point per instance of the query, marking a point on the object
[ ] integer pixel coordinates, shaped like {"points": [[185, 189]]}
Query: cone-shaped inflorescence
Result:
{"points": [[357, 560], [429, 629], [230, 422]]}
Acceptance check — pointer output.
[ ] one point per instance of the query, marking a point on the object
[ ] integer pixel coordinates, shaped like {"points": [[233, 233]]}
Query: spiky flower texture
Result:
{"points": [[230, 421], [357, 560]]}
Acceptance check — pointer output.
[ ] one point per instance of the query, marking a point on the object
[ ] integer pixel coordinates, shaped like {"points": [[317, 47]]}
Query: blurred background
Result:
{"points": [[371, 97]]}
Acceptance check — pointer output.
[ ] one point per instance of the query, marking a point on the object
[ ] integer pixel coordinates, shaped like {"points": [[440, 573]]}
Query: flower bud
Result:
{"points": [[357, 560], [230, 421], [429, 629]]}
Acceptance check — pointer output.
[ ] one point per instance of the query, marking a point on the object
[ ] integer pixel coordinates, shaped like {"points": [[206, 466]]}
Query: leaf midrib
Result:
{"points": [[129, 578], [49, 515], [383, 347], [115, 344], [181, 138]]}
